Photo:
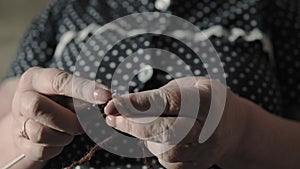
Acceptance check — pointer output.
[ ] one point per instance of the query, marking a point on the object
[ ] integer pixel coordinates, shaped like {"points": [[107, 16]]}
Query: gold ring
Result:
{"points": [[23, 131]]}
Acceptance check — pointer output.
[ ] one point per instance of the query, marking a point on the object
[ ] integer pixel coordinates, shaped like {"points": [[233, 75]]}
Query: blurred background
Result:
{"points": [[15, 17]]}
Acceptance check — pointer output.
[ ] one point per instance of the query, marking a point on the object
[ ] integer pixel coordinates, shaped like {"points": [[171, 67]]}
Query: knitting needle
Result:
{"points": [[14, 162]]}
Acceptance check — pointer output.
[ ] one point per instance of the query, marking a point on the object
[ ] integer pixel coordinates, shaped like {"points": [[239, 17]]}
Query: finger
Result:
{"points": [[52, 81], [159, 102], [179, 165], [47, 112], [41, 134], [173, 153], [189, 82], [138, 104], [186, 165], [37, 152], [168, 130], [71, 103]]}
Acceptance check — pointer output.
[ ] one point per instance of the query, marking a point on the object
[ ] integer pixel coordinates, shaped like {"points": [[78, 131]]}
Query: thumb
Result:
{"points": [[146, 103], [158, 102]]}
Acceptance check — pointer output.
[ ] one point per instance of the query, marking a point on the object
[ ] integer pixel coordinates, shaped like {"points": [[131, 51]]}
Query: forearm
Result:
{"points": [[7, 146], [269, 141]]}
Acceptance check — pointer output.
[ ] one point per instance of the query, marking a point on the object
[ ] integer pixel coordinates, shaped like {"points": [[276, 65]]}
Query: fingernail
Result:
{"points": [[111, 120], [110, 109], [101, 95]]}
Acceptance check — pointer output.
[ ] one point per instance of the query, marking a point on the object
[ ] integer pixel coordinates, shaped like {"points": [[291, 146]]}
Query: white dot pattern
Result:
{"points": [[248, 69]]}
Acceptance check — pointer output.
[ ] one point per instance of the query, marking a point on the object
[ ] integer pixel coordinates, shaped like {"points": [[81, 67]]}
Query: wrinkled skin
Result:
{"points": [[159, 135], [50, 125]]}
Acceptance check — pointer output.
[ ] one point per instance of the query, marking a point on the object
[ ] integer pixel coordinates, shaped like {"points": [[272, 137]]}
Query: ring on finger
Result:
{"points": [[23, 131]]}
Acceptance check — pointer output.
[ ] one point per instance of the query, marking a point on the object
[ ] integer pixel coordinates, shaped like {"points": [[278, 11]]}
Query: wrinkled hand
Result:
{"points": [[50, 126], [164, 136]]}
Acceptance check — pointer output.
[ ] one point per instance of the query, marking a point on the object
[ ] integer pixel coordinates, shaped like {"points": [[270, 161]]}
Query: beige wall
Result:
{"points": [[15, 17]]}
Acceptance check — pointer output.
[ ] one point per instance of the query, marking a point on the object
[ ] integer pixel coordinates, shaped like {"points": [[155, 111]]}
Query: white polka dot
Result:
{"points": [[147, 57], [125, 77], [215, 70], [108, 76], [128, 65], [115, 52], [146, 43], [112, 65]]}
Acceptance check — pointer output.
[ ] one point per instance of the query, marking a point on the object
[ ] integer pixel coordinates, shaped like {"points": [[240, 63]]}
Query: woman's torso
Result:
{"points": [[250, 64]]}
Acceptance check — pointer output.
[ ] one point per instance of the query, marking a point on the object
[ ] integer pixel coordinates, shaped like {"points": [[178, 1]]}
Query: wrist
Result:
{"points": [[241, 122]]}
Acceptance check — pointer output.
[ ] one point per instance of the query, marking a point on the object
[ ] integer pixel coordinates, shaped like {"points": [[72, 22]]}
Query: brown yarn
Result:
{"points": [[97, 147], [90, 154]]}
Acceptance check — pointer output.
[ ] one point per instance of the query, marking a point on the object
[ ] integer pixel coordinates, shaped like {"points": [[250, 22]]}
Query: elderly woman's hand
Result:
{"points": [[49, 125], [163, 137]]}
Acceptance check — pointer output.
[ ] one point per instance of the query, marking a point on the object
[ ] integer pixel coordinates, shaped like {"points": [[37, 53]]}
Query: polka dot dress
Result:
{"points": [[262, 69]]}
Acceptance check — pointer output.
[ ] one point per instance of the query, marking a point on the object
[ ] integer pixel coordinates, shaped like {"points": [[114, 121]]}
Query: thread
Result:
{"points": [[91, 153]]}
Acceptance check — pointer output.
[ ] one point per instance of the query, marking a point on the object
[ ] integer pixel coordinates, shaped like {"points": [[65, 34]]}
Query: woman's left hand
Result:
{"points": [[159, 135]]}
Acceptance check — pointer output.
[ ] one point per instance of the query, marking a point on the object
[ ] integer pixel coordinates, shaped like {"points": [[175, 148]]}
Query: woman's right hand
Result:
{"points": [[49, 125]]}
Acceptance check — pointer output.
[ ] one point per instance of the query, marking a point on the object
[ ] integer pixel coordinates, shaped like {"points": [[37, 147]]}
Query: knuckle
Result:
{"points": [[32, 106], [206, 84], [83, 89], [60, 82], [164, 132], [27, 75], [172, 100]]}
